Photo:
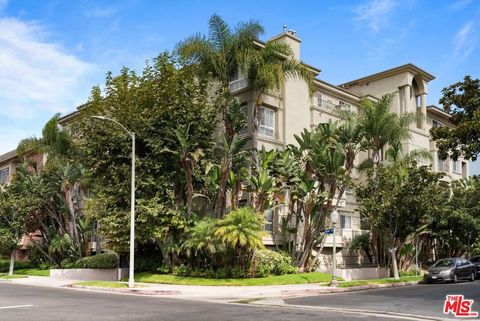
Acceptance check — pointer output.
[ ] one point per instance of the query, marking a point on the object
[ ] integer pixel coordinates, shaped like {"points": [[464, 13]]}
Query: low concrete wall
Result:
{"points": [[89, 274], [362, 273]]}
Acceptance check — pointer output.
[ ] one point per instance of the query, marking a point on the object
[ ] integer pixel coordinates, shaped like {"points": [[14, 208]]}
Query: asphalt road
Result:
{"points": [[422, 300], [20, 302]]}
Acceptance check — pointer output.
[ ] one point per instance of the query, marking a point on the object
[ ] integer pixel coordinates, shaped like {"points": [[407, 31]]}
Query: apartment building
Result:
{"points": [[290, 110], [287, 112]]}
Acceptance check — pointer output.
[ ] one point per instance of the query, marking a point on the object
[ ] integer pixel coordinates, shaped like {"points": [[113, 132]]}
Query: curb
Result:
{"points": [[123, 290], [328, 290]]}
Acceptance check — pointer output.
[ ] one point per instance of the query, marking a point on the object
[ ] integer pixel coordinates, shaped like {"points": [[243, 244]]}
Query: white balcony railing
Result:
{"points": [[238, 84]]}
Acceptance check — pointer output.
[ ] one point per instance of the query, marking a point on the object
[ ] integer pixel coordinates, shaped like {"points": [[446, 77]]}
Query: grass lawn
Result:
{"points": [[7, 277], [104, 284], [36, 272], [348, 284], [303, 278]]}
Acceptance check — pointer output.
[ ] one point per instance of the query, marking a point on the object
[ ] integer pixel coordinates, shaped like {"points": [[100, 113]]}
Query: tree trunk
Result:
{"points": [[393, 254], [188, 187], [221, 194], [12, 262]]}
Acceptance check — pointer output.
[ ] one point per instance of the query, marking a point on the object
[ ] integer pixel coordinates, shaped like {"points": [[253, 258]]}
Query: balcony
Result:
{"points": [[330, 105], [238, 84]]}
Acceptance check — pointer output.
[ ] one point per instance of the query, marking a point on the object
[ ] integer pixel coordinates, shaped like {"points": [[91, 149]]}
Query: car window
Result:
{"points": [[444, 263]]}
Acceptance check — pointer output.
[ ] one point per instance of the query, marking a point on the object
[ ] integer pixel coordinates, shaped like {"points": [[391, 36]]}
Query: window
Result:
{"points": [[344, 106], [267, 122], [457, 167], [436, 124], [4, 173], [319, 99], [346, 222], [439, 164], [268, 220]]}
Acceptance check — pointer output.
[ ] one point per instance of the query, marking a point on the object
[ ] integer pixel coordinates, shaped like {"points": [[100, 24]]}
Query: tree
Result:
{"points": [[219, 55], [12, 225], [381, 127], [242, 231], [169, 108], [266, 68], [462, 101], [397, 199]]}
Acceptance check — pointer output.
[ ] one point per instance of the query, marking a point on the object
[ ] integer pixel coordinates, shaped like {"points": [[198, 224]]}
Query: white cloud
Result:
{"points": [[464, 41], [37, 77], [36, 74], [374, 13]]}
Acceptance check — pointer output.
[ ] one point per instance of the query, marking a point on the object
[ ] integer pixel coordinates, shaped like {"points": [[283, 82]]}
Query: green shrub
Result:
{"points": [[19, 265], [67, 264], [182, 270], [35, 256], [147, 264], [163, 269], [270, 262], [410, 272], [99, 261]]}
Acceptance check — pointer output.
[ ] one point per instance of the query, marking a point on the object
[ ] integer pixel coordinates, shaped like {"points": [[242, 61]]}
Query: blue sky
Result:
{"points": [[52, 52]]}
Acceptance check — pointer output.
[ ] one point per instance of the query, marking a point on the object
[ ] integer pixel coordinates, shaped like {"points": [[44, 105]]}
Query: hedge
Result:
{"points": [[5, 265], [99, 261]]}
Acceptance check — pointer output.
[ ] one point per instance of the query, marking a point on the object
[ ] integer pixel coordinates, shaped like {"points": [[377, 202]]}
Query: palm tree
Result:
{"points": [[381, 127], [242, 230], [266, 69], [219, 55], [202, 241], [188, 155], [54, 140]]}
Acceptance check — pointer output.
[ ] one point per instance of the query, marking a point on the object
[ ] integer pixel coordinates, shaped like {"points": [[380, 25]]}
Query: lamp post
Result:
{"points": [[334, 218], [131, 280]]}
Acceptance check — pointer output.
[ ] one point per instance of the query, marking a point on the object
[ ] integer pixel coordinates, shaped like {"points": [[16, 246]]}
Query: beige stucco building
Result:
{"points": [[290, 110]]}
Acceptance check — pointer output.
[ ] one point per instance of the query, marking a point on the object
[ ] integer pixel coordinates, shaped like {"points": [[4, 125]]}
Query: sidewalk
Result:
{"points": [[208, 293]]}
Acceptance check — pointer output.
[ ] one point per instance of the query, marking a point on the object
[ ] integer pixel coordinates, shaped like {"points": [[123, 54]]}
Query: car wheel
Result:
{"points": [[472, 276], [455, 278]]}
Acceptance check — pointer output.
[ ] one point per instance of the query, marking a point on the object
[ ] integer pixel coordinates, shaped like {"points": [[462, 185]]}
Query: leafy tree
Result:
{"points": [[12, 225], [169, 108], [462, 101], [397, 199]]}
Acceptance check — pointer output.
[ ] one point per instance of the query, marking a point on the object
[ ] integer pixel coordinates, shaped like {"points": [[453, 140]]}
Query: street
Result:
{"points": [[421, 300], [20, 302]]}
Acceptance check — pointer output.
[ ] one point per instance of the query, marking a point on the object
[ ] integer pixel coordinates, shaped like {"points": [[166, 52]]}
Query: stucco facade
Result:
{"points": [[289, 111]]}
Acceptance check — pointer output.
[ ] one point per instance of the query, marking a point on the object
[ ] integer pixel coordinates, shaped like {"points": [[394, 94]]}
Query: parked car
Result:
{"points": [[476, 261], [451, 270]]}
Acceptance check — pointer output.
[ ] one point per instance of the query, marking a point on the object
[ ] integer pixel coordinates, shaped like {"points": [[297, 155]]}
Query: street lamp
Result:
{"points": [[131, 280], [334, 218]]}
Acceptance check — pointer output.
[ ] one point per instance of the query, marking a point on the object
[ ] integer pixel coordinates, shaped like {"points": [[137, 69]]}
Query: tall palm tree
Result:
{"points": [[219, 55], [382, 127], [266, 69]]}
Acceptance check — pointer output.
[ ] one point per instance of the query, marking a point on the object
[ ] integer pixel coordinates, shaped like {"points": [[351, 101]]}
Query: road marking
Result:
{"points": [[16, 306]]}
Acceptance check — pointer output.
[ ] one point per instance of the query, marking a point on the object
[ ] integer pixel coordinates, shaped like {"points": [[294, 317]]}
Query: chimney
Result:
{"points": [[289, 36]]}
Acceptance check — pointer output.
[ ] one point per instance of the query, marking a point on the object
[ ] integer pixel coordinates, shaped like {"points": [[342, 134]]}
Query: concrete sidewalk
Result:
{"points": [[208, 293]]}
